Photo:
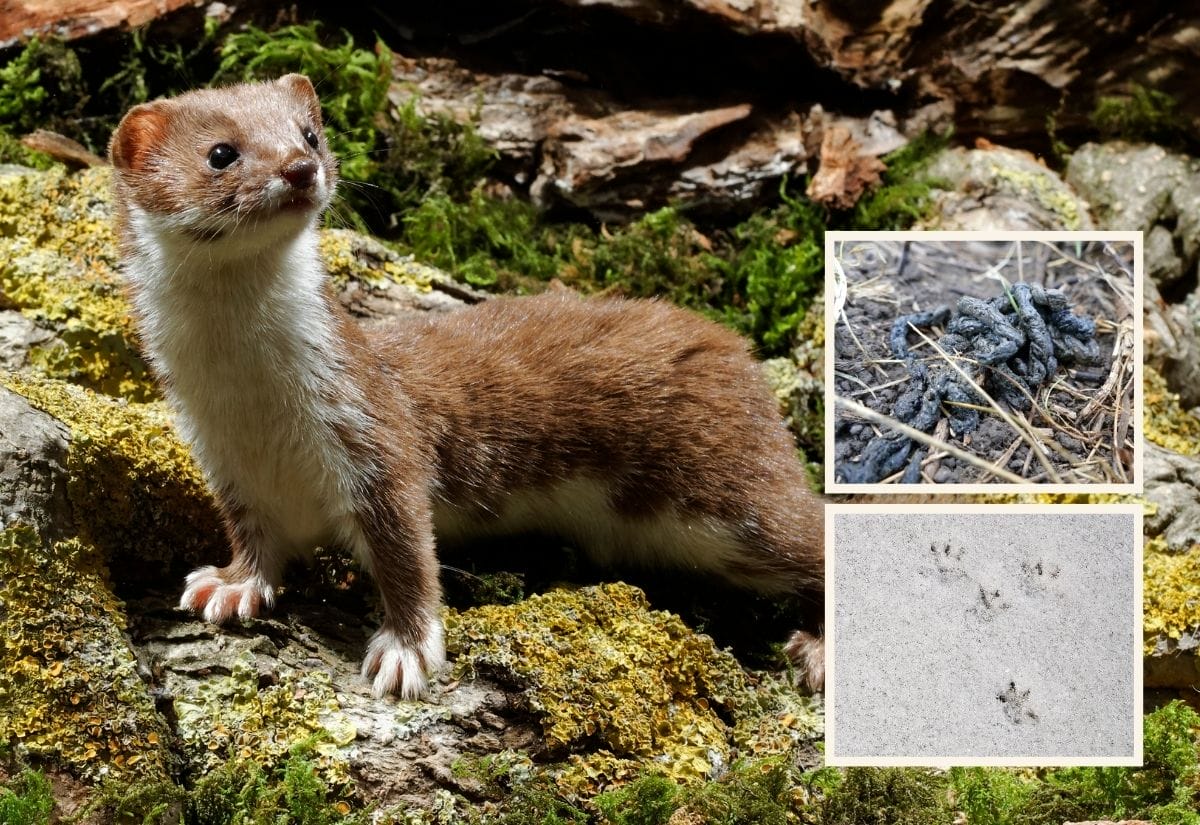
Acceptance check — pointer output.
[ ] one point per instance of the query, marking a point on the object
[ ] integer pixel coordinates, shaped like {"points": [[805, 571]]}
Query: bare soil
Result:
{"points": [[1080, 417]]}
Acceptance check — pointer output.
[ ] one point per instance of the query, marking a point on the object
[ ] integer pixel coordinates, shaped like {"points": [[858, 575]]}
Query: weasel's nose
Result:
{"points": [[300, 173]]}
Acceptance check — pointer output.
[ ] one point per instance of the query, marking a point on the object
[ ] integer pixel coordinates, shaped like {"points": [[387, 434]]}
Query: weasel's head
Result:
{"points": [[234, 169]]}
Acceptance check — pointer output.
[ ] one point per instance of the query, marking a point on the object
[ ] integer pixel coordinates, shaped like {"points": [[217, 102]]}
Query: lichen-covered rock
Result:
{"points": [[135, 493], [1146, 187], [1172, 487], [1165, 422], [69, 682], [1171, 616], [58, 260], [798, 383], [996, 188], [599, 666]]}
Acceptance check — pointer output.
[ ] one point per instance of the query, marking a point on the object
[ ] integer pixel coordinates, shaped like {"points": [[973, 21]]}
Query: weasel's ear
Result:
{"points": [[303, 89], [142, 128]]}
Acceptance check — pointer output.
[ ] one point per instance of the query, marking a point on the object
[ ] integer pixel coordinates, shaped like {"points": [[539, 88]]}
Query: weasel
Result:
{"points": [[637, 430]]}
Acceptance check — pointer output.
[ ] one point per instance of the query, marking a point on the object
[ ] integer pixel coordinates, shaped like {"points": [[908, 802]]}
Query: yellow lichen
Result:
{"points": [[1166, 423], [69, 684], [350, 256], [134, 489], [1171, 593], [773, 718], [600, 667], [1045, 188], [236, 716], [58, 261]]}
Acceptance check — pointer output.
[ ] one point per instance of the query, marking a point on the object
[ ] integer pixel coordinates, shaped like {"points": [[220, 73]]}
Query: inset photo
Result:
{"points": [[983, 634], [983, 361]]}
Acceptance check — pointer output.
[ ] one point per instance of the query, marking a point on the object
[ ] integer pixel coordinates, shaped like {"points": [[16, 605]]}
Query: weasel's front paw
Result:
{"points": [[210, 591], [404, 667], [807, 653]]}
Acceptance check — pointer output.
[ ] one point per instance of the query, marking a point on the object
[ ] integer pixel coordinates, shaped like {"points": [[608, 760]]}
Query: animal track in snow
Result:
{"points": [[1015, 704]]}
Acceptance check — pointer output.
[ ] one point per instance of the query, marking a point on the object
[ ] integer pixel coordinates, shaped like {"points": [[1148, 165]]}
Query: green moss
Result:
{"points": [[133, 487], [25, 104], [761, 791], [599, 667], [243, 792], [1166, 789], [153, 67], [886, 796], [904, 196], [26, 799], [990, 796], [69, 683], [485, 241], [648, 801], [430, 155], [1141, 114]]}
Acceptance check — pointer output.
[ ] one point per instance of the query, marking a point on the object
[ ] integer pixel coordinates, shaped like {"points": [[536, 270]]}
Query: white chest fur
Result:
{"points": [[249, 358]]}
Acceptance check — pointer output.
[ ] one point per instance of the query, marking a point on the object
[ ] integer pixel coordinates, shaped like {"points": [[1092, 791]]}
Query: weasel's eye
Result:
{"points": [[221, 155], [310, 137]]}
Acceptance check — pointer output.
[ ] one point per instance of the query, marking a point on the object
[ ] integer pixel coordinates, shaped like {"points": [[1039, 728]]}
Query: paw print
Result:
{"points": [[988, 604], [1015, 704], [1037, 576], [948, 561]]}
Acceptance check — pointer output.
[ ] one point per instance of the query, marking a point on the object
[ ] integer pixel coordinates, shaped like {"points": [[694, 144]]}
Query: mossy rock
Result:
{"points": [[996, 188], [69, 681], [598, 666], [135, 492]]}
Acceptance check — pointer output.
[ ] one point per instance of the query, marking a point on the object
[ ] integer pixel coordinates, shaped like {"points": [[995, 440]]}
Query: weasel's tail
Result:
{"points": [[807, 653]]}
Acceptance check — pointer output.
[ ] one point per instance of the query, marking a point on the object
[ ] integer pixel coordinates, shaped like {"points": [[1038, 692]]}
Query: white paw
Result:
{"points": [[402, 667], [207, 591]]}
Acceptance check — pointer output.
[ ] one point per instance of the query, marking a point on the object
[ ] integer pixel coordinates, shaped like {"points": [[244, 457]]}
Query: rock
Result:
{"points": [[591, 672], [1170, 342], [72, 690], [33, 468], [1146, 187], [19, 336], [1173, 486], [994, 188]]}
